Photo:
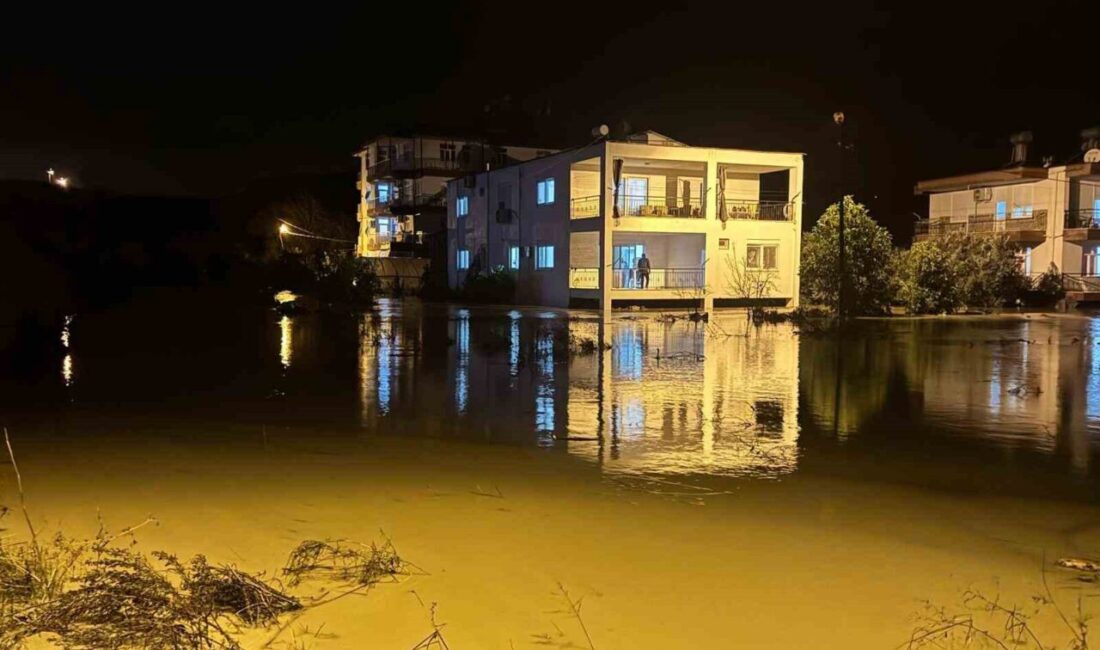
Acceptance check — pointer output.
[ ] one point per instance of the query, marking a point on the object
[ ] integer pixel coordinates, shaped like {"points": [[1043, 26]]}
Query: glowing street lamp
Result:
{"points": [[62, 182], [284, 229], [49, 175]]}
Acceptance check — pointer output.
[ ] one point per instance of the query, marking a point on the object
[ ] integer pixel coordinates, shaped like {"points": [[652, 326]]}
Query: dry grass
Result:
{"points": [[344, 561]]}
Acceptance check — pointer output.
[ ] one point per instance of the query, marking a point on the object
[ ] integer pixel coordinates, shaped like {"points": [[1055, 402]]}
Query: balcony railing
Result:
{"points": [[417, 165], [688, 279], [653, 205], [1086, 218], [582, 207], [982, 223], [759, 210], [584, 278]]}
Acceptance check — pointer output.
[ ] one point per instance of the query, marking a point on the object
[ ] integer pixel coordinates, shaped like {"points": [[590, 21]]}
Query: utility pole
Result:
{"points": [[838, 118]]}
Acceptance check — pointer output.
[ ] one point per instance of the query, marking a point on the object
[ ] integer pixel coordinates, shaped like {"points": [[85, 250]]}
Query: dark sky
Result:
{"points": [[204, 99]]}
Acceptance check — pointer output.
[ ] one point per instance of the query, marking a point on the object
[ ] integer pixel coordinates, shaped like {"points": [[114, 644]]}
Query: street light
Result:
{"points": [[62, 182], [49, 175], [838, 119], [284, 229]]}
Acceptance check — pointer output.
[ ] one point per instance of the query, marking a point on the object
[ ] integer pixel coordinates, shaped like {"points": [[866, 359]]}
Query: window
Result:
{"points": [[1021, 201], [513, 257], [723, 244], [384, 192], [545, 191], [762, 256], [1002, 210], [462, 206], [447, 151], [463, 261], [544, 257]]}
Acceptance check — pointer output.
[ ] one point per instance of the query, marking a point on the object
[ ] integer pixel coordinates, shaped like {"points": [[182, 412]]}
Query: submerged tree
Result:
{"points": [[869, 255], [949, 273], [929, 283]]}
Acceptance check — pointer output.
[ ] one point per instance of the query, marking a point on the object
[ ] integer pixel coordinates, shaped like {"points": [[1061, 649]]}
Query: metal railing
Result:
{"points": [[655, 205], [462, 164], [582, 207], [688, 279], [981, 223], [1084, 218], [759, 210], [584, 278]]}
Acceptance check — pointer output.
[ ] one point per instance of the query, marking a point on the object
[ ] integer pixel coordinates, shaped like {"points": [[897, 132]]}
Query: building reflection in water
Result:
{"points": [[67, 376], [286, 341], [680, 397]]}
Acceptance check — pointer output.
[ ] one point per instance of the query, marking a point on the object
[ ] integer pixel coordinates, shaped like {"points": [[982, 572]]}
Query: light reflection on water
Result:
{"points": [[666, 397]]}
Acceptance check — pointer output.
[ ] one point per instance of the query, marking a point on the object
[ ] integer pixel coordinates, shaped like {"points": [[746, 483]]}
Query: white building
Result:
{"points": [[402, 184], [573, 225], [1052, 211]]}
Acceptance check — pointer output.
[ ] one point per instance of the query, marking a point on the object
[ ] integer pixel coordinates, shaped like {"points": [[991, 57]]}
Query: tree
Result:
{"points": [[750, 285], [868, 262], [930, 281]]}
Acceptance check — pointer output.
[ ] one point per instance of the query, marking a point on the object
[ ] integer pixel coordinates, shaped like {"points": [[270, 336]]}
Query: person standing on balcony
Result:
{"points": [[643, 272]]}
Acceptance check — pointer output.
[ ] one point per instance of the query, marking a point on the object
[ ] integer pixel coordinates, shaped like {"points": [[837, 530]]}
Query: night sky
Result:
{"points": [[185, 99]]}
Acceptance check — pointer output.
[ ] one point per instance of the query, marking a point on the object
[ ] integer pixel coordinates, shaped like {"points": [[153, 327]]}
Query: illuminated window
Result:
{"points": [[385, 192], [462, 206], [544, 257], [545, 191], [463, 261], [513, 257], [762, 256], [1021, 201], [1002, 209]]}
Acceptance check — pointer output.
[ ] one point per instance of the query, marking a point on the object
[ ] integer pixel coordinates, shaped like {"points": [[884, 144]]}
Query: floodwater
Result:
{"points": [[698, 485]]}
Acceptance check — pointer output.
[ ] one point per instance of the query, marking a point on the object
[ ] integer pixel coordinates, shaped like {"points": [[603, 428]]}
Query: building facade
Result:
{"points": [[1052, 212], [717, 227], [402, 187]]}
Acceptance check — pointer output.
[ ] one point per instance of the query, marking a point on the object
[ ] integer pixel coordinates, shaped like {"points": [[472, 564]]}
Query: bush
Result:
{"points": [[929, 283], [496, 285], [868, 261]]}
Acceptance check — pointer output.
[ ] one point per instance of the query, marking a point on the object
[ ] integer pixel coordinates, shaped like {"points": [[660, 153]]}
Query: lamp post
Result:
{"points": [[838, 118], [49, 175]]}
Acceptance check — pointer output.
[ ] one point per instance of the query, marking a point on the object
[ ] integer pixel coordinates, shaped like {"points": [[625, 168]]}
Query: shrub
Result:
{"points": [[496, 285], [929, 282]]}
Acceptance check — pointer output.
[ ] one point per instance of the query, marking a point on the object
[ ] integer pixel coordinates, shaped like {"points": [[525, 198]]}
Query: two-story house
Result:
{"points": [[1051, 211], [402, 185], [716, 227]]}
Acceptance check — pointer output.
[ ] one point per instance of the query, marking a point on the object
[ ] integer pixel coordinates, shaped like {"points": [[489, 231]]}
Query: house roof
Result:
{"points": [[993, 178]]}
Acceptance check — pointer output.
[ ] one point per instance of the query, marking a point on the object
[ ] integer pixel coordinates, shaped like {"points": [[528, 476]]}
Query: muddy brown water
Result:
{"points": [[697, 484]]}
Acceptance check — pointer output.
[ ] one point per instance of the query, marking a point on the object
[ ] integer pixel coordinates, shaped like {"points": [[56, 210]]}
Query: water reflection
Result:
{"points": [[286, 341]]}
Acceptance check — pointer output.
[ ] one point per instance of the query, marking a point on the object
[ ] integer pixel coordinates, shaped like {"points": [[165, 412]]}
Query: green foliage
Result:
{"points": [[333, 277], [497, 285], [929, 282], [1049, 286], [868, 268], [947, 274]]}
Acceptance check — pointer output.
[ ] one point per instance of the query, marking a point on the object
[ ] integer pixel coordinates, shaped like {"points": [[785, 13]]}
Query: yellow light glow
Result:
{"points": [[62, 181], [284, 229], [286, 340], [67, 370], [285, 296]]}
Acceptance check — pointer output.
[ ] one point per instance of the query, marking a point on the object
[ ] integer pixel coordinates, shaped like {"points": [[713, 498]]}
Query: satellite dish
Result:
{"points": [[600, 131], [1092, 156]]}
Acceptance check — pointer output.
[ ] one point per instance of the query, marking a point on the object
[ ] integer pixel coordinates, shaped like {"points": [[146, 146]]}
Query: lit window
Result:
{"points": [[385, 192], [1002, 209], [463, 261], [513, 257], [545, 191], [462, 206], [544, 257]]}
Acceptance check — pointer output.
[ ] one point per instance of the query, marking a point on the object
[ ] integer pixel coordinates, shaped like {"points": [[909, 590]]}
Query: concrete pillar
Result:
{"points": [[607, 198], [794, 195], [714, 274]]}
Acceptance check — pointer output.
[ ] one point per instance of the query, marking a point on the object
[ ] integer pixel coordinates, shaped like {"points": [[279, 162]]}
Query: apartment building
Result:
{"points": [[402, 186], [575, 226], [1051, 211]]}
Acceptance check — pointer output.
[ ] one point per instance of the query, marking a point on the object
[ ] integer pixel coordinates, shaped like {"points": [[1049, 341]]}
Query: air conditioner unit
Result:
{"points": [[983, 194]]}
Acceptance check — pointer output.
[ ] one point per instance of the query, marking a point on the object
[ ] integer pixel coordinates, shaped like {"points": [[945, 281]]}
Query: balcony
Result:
{"points": [[758, 210], [650, 205], [1082, 225], [583, 207], [659, 279], [413, 166], [1030, 227]]}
